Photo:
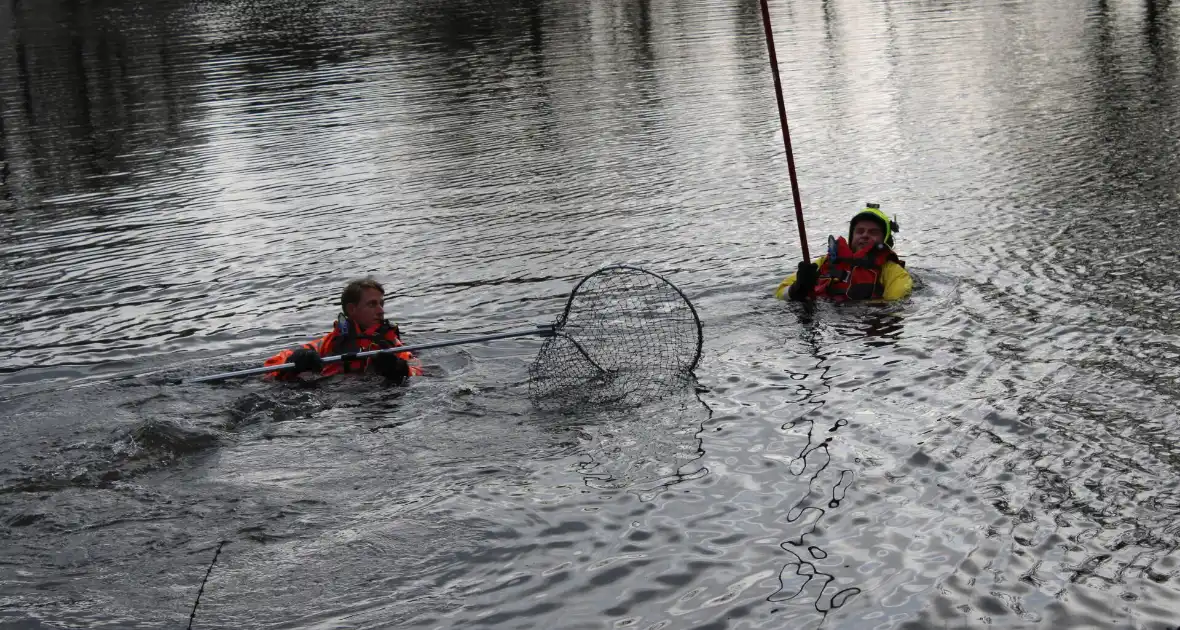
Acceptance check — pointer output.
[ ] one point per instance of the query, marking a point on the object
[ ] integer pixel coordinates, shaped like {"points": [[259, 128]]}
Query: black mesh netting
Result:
{"points": [[627, 336]]}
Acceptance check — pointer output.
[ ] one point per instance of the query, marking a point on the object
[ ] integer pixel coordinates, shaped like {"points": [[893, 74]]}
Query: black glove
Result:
{"points": [[392, 367], [306, 360], [806, 278]]}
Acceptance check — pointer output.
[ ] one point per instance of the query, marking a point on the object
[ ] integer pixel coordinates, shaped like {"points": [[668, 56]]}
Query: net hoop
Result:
{"points": [[625, 336], [569, 302]]}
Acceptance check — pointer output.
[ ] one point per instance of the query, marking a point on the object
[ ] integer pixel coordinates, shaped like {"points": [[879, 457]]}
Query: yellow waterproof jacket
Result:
{"points": [[896, 279]]}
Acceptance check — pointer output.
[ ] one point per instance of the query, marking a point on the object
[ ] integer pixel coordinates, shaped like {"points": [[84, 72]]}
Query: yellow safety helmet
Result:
{"points": [[873, 211]]}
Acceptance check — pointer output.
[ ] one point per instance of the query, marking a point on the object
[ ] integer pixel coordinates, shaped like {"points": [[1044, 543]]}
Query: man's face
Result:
{"points": [[370, 311], [866, 233]]}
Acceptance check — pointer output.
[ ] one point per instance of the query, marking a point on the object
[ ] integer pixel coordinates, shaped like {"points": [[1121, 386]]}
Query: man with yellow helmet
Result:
{"points": [[863, 267]]}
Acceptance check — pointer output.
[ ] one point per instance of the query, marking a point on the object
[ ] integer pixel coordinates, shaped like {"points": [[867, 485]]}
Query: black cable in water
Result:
{"points": [[192, 616]]}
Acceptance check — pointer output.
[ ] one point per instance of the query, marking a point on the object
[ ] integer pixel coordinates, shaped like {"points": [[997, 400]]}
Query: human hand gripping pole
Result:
{"points": [[394, 368], [306, 360], [626, 336], [806, 277]]}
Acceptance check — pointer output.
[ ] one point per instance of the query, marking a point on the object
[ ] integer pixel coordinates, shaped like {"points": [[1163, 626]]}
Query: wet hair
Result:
{"points": [[355, 289]]}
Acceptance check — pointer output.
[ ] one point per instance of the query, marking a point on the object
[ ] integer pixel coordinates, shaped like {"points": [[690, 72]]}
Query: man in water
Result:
{"points": [[361, 326], [864, 267]]}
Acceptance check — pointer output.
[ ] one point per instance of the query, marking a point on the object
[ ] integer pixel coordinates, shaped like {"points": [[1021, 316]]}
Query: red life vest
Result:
{"points": [[345, 339], [848, 275]]}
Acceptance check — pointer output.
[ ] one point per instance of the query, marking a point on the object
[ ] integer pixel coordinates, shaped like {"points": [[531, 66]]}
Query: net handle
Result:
{"points": [[695, 317], [546, 330]]}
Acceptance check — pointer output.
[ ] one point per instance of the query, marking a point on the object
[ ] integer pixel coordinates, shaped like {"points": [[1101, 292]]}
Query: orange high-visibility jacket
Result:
{"points": [[383, 335]]}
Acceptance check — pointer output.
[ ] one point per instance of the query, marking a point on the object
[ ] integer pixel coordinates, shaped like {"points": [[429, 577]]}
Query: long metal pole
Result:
{"points": [[782, 115]]}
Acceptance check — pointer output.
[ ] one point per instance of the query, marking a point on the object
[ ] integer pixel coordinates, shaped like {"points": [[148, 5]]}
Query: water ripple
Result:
{"points": [[184, 188]]}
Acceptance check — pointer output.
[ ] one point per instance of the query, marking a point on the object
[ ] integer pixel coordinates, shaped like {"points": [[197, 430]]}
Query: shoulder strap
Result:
{"points": [[387, 327], [381, 336]]}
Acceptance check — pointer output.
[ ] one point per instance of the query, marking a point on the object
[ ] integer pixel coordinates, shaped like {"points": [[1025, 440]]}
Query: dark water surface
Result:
{"points": [[185, 186]]}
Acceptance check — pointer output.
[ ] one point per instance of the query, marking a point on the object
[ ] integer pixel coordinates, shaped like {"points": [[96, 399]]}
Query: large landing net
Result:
{"points": [[627, 336]]}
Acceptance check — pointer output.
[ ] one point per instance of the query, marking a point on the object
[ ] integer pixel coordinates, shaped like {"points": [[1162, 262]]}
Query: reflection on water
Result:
{"points": [[810, 577], [645, 450], [796, 578], [184, 186]]}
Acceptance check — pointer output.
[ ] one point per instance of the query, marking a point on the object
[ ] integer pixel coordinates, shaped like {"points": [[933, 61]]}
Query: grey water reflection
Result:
{"points": [[646, 450], [184, 186], [813, 577]]}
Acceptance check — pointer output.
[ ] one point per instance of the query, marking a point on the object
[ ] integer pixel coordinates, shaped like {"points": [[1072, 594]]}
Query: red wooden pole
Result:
{"points": [[782, 115]]}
